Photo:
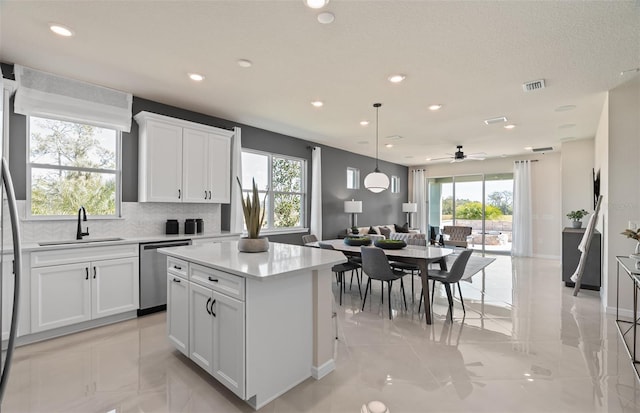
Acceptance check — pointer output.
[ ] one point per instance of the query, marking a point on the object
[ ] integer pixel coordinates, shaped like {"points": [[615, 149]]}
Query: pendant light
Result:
{"points": [[376, 181]]}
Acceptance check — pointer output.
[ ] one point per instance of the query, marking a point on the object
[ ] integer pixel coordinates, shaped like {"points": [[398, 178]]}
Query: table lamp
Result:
{"points": [[408, 208], [353, 207]]}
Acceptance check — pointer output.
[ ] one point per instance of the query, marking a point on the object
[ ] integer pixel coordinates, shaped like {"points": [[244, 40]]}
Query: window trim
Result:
{"points": [[271, 193], [29, 165], [356, 176], [395, 184]]}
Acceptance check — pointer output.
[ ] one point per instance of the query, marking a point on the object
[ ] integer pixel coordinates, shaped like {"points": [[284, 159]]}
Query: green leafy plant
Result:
{"points": [[629, 233], [253, 213], [577, 215]]}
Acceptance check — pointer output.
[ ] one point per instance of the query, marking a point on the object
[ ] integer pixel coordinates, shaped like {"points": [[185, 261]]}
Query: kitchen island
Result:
{"points": [[260, 323]]}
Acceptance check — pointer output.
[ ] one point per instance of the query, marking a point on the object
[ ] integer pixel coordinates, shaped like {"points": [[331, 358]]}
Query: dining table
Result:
{"points": [[413, 254]]}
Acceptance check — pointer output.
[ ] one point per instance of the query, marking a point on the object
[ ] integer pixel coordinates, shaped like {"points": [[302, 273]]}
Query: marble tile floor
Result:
{"points": [[525, 345]]}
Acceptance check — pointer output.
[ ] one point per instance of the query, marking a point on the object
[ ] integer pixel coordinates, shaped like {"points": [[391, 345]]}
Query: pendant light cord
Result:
{"points": [[377, 106]]}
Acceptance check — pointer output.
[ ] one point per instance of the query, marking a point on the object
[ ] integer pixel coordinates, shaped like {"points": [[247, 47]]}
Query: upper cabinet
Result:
{"points": [[181, 161]]}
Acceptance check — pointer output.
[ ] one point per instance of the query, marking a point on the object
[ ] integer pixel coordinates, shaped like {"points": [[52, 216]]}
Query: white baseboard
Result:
{"points": [[547, 257], [321, 371], [622, 312]]}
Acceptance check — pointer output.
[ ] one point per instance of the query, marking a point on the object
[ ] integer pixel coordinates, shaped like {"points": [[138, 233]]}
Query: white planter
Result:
{"points": [[576, 224], [253, 244]]}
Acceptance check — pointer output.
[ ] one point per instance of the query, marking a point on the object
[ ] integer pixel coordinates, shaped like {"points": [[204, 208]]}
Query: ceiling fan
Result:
{"points": [[459, 156]]}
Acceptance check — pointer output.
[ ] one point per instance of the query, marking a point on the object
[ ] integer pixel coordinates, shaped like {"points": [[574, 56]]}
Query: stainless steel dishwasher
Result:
{"points": [[153, 276]]}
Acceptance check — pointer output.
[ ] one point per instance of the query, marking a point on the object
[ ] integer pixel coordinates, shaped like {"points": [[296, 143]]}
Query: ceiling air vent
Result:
{"points": [[546, 149], [533, 85], [499, 119]]}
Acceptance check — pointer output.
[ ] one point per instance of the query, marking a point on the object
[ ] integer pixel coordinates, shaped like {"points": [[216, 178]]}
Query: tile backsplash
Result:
{"points": [[138, 219]]}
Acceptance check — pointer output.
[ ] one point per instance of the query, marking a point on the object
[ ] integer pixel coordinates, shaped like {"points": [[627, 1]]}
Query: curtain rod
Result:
{"points": [[530, 160]]}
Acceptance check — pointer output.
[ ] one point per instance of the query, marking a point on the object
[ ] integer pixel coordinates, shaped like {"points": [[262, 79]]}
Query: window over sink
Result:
{"points": [[281, 180], [72, 165]]}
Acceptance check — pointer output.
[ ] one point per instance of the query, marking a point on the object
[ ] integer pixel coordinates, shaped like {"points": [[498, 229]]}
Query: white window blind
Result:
{"points": [[47, 95]]}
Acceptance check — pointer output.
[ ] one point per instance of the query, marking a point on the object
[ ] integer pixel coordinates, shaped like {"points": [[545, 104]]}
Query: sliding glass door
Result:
{"points": [[482, 202]]}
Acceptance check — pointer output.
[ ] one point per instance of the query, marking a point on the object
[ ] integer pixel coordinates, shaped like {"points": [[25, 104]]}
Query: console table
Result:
{"points": [[626, 327], [571, 238]]}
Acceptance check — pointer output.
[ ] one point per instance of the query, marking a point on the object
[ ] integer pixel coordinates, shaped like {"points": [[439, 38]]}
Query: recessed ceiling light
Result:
{"points": [[528, 148], [61, 30], [565, 108], [244, 63], [509, 126], [428, 159], [396, 78], [316, 4], [196, 77], [389, 145], [317, 103], [435, 107], [364, 122], [326, 18]]}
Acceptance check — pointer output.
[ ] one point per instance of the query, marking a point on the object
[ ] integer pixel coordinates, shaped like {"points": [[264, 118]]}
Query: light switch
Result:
{"points": [[634, 225]]}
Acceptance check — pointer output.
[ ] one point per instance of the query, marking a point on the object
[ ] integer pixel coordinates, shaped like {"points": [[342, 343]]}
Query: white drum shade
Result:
{"points": [[353, 207], [409, 207]]}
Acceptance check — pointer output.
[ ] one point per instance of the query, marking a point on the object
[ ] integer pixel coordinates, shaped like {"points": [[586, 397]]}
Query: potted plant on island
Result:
{"points": [[576, 217], [253, 219]]}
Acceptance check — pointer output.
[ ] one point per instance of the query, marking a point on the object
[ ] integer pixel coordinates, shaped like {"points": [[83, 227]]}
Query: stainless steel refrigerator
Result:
{"points": [[9, 241]]}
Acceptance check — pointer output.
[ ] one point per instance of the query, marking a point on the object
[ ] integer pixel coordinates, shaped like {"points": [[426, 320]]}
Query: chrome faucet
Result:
{"points": [[79, 233]]}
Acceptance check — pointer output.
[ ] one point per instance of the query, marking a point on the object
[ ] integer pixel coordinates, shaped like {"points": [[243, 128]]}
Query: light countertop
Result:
{"points": [[280, 260], [34, 246]]}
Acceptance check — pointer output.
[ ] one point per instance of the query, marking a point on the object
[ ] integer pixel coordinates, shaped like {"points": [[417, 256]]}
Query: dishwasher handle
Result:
{"points": [[156, 246]]}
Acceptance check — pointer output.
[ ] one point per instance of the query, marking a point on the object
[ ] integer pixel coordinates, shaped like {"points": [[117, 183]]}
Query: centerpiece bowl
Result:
{"points": [[357, 241], [390, 244]]}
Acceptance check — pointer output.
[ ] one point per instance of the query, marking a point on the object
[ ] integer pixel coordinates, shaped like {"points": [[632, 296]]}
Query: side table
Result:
{"points": [[626, 327]]}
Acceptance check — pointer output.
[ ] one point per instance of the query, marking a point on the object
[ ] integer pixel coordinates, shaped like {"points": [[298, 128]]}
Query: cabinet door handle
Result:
{"points": [[177, 267], [94, 272], [175, 280], [209, 194], [206, 306], [205, 194], [212, 303], [179, 194], [213, 280], [86, 269]]}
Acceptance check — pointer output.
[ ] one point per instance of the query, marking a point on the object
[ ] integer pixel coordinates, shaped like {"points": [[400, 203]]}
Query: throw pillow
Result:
{"points": [[404, 228], [384, 231], [372, 231]]}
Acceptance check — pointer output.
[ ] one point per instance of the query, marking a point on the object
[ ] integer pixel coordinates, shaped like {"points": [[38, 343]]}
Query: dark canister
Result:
{"points": [[199, 225], [171, 227], [190, 226]]}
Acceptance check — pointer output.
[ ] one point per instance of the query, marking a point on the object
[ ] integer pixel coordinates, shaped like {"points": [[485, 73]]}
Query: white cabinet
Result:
{"points": [[178, 309], [204, 317], [216, 339], [197, 158], [115, 287], [73, 292]]}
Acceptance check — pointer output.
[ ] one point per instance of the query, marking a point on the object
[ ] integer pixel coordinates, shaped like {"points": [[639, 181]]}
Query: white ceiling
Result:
{"points": [[472, 57]]}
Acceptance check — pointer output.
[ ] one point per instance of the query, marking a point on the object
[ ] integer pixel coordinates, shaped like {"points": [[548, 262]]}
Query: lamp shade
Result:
{"points": [[409, 207], [353, 207], [376, 182]]}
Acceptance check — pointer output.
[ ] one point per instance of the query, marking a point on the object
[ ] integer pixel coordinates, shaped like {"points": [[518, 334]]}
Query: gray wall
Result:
{"points": [[384, 208]]}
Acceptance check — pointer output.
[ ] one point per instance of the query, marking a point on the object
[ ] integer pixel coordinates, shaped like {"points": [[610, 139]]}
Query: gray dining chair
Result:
{"points": [[414, 269], [376, 265], [309, 238], [340, 269], [452, 276]]}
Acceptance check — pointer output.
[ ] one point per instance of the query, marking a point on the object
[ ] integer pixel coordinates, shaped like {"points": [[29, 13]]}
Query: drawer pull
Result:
{"points": [[213, 280], [175, 280], [212, 303], [206, 306], [177, 267]]}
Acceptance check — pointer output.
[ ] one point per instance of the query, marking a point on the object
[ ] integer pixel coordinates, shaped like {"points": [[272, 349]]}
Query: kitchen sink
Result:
{"points": [[78, 241]]}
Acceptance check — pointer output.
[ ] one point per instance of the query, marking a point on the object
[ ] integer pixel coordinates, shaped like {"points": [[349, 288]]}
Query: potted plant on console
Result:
{"points": [[253, 218], [576, 217]]}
